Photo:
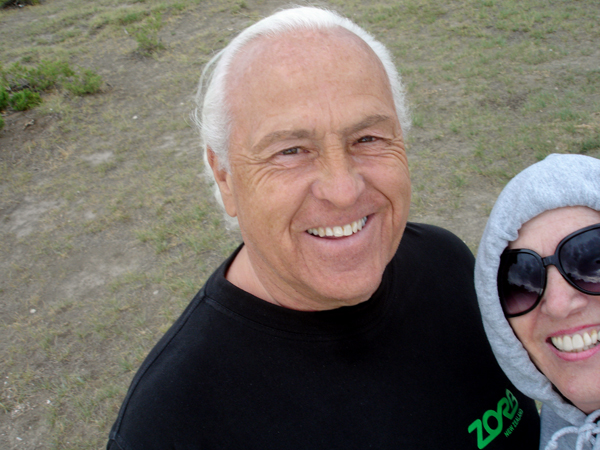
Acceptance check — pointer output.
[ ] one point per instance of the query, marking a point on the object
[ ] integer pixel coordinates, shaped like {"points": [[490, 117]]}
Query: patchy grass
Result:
{"points": [[108, 227], [21, 86]]}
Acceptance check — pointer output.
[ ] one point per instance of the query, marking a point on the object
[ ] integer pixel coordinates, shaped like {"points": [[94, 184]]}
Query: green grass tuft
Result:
{"points": [[20, 85], [590, 144], [25, 99], [4, 97], [83, 83], [147, 37]]}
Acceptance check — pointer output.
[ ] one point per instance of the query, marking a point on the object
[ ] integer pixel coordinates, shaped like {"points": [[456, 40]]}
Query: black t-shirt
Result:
{"points": [[408, 369]]}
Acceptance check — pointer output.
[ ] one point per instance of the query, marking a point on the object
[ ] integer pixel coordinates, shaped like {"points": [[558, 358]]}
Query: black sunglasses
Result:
{"points": [[522, 273]]}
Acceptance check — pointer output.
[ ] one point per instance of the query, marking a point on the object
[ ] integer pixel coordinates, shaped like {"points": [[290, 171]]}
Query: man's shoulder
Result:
{"points": [[434, 266], [160, 390], [426, 240], [417, 230]]}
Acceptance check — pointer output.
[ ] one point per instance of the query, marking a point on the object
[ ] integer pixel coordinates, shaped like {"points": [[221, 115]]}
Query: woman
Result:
{"points": [[542, 316]]}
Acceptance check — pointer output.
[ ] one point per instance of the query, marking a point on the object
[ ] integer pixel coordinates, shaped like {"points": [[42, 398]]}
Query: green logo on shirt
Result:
{"points": [[493, 422]]}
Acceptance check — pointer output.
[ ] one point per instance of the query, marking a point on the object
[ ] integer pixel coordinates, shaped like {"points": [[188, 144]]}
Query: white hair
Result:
{"points": [[211, 115]]}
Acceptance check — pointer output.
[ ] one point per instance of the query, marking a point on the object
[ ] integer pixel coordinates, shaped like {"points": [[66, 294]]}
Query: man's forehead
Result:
{"points": [[305, 80], [295, 51]]}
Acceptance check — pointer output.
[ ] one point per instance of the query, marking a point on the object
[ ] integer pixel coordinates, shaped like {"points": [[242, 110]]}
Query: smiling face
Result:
{"points": [[319, 178], [551, 333]]}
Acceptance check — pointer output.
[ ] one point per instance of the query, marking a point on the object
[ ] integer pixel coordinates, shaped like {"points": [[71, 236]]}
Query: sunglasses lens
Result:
{"points": [[520, 282], [580, 260]]}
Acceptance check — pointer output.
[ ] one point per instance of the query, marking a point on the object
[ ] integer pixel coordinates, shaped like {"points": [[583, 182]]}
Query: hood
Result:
{"points": [[555, 182]]}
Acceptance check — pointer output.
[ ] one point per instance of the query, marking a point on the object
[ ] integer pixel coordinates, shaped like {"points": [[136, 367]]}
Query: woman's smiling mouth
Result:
{"points": [[339, 231], [576, 342]]}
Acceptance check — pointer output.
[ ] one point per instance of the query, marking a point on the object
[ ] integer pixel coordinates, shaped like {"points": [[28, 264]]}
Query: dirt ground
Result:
{"points": [[101, 245]]}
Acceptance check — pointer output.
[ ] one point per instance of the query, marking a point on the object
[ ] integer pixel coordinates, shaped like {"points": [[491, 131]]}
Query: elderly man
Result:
{"points": [[335, 324]]}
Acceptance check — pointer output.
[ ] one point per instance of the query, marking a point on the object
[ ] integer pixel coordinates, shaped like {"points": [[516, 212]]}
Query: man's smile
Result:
{"points": [[339, 230]]}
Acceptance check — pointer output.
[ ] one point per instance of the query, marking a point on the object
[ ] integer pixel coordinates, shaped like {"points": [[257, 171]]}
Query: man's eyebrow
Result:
{"points": [[280, 135], [366, 123]]}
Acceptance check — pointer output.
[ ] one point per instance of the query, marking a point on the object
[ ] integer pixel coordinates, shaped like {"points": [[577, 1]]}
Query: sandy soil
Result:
{"points": [[82, 182]]}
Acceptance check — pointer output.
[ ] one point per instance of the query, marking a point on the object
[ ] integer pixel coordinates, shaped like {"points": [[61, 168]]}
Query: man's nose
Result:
{"points": [[560, 298], [339, 181]]}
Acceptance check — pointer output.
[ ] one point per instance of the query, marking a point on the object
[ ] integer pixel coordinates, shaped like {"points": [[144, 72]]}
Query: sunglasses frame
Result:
{"points": [[552, 260]]}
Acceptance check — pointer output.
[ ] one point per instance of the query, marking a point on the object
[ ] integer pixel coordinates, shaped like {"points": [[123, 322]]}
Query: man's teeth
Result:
{"points": [[339, 231], [576, 342]]}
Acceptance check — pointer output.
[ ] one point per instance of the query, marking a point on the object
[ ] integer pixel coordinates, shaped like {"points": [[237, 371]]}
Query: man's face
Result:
{"points": [[316, 149]]}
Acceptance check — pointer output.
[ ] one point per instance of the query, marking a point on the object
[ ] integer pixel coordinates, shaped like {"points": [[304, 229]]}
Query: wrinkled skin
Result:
{"points": [[315, 142]]}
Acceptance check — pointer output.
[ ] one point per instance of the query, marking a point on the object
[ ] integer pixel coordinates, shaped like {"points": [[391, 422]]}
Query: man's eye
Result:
{"points": [[367, 139], [291, 151]]}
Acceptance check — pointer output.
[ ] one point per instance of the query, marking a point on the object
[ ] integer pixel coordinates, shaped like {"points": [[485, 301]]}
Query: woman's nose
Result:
{"points": [[560, 298]]}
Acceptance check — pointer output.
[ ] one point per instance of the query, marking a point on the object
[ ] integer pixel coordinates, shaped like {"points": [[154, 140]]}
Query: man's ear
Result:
{"points": [[224, 182]]}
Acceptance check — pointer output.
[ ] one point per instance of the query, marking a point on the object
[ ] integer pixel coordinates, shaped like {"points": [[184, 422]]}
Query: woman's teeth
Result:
{"points": [[340, 231], [576, 342]]}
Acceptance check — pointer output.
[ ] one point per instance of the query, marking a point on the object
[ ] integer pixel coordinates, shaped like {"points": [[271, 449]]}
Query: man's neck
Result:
{"points": [[241, 274]]}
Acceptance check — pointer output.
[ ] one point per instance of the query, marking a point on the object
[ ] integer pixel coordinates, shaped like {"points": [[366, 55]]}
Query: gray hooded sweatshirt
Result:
{"points": [[555, 182]]}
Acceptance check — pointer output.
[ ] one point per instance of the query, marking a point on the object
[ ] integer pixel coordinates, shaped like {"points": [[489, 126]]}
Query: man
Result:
{"points": [[336, 324]]}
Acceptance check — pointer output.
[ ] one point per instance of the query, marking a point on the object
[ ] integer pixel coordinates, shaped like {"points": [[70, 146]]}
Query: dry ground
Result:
{"points": [[107, 228]]}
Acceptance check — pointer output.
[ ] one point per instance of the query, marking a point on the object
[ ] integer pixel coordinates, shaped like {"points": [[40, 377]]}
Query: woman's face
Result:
{"points": [[562, 312]]}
